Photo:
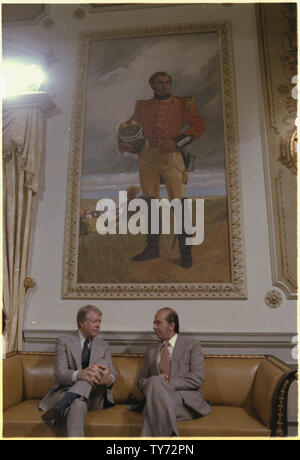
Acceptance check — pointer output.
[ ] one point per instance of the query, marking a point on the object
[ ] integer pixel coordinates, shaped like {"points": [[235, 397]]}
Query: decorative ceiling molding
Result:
{"points": [[278, 59], [21, 14]]}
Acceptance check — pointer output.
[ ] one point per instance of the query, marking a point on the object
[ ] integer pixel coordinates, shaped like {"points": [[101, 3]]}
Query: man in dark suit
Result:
{"points": [[171, 378], [84, 375]]}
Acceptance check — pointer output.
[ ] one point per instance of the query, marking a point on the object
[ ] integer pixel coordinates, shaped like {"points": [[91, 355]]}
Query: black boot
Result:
{"points": [[151, 251], [186, 260]]}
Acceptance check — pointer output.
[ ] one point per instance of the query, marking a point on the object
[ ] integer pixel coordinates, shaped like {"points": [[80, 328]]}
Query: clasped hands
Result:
{"points": [[96, 375], [165, 376]]}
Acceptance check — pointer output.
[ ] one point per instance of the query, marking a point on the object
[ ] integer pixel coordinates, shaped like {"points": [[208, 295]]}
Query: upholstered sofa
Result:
{"points": [[248, 396]]}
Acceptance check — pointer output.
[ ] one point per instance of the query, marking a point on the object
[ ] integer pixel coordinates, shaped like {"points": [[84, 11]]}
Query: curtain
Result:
{"points": [[23, 140]]}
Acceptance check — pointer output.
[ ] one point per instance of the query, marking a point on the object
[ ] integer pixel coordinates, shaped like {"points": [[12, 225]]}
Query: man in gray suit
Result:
{"points": [[171, 378], [84, 375]]}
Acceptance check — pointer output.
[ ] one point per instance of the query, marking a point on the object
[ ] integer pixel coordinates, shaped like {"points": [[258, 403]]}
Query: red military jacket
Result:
{"points": [[163, 119]]}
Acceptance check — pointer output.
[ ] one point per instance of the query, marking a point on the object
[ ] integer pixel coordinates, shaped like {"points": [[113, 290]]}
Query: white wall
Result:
{"points": [[46, 310]]}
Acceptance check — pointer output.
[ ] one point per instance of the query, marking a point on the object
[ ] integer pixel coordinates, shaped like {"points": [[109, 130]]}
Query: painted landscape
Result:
{"points": [[108, 258]]}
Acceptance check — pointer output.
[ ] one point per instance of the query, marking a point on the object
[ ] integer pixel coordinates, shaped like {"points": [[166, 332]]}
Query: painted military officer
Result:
{"points": [[161, 119]]}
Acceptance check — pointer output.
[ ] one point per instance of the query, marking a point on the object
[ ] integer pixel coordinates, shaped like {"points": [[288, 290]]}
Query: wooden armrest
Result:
{"points": [[271, 385]]}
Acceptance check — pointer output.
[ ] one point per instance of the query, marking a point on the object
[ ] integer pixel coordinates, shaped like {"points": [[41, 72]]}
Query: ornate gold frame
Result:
{"points": [[236, 289]]}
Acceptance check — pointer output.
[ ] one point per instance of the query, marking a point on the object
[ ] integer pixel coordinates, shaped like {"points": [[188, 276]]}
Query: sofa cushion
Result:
{"points": [[38, 375], [116, 421], [224, 421], [128, 367], [12, 381], [228, 380], [24, 420]]}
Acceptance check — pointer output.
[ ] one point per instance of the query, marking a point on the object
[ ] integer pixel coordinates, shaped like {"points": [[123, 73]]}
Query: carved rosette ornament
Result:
{"points": [[273, 299], [79, 13], [29, 283]]}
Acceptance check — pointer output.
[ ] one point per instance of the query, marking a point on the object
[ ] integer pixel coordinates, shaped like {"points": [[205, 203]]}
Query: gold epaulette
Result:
{"points": [[139, 102], [188, 102]]}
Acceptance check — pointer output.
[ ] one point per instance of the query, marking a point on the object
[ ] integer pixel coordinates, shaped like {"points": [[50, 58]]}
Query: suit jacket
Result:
{"points": [[67, 360], [187, 372]]}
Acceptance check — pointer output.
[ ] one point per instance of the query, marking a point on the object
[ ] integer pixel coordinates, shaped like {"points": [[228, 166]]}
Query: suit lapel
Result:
{"points": [[155, 360], [75, 349], [94, 348], [177, 353]]}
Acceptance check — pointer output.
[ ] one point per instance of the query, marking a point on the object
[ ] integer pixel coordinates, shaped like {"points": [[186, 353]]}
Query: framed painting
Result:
{"points": [[114, 67]]}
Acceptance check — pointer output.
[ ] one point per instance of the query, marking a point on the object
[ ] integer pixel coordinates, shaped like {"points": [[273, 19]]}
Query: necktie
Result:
{"points": [[165, 362], [85, 356]]}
